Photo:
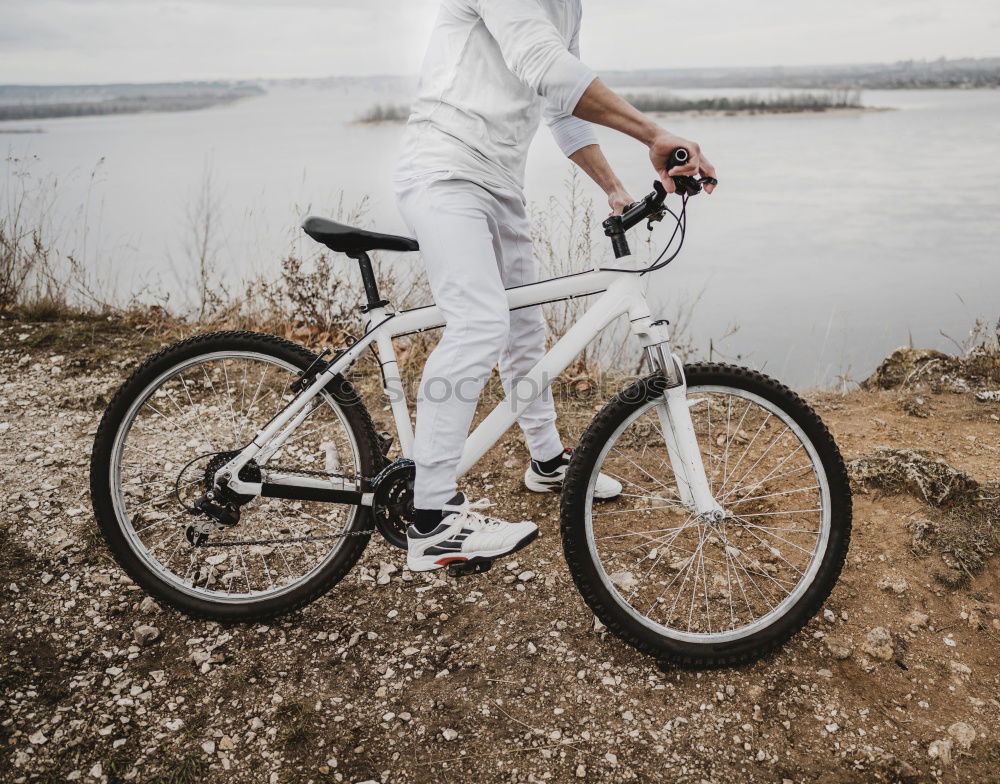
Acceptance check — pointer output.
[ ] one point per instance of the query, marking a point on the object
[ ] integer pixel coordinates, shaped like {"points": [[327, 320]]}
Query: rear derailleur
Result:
{"points": [[218, 507], [216, 517]]}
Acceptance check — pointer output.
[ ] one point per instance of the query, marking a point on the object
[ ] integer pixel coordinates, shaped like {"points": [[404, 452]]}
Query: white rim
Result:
{"points": [[809, 573], [151, 562]]}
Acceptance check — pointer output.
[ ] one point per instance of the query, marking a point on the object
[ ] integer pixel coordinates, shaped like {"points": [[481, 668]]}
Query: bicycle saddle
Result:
{"points": [[347, 239]]}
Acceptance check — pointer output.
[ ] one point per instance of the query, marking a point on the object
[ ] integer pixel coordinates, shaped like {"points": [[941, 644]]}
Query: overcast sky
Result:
{"points": [[77, 41]]}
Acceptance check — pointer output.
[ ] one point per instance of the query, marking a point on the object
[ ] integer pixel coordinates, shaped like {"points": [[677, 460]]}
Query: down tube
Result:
{"points": [[528, 388]]}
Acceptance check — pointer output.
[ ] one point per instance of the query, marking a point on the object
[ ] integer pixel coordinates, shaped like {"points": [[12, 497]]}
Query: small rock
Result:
{"points": [[611, 758], [940, 750], [384, 572], [897, 585], [449, 734], [839, 648], [916, 620], [148, 606], [37, 738], [824, 673], [145, 634], [581, 771], [208, 747], [963, 734], [526, 576], [878, 644]]}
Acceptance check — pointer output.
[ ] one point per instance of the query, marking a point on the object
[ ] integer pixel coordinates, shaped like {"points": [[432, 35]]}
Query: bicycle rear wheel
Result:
{"points": [[179, 417], [692, 590]]}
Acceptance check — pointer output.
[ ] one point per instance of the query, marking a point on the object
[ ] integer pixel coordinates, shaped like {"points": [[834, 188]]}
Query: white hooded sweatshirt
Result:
{"points": [[490, 67]]}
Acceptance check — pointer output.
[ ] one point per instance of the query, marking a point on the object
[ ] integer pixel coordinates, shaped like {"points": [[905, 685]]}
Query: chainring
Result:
{"points": [[392, 505]]}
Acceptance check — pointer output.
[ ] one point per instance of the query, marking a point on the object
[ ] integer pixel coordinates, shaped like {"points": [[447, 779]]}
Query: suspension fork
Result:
{"points": [[674, 414]]}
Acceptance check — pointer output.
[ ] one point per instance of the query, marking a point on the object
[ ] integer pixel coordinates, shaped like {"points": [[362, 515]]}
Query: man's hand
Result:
{"points": [[618, 200], [599, 104], [659, 153]]}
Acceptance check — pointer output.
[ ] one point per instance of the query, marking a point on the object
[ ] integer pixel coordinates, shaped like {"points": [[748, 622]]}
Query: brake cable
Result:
{"points": [[681, 226]]}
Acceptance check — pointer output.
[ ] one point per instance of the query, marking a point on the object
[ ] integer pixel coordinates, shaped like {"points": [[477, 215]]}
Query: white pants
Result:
{"points": [[474, 245]]}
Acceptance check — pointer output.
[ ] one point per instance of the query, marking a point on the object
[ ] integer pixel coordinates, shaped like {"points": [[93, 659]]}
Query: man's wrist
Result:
{"points": [[649, 131]]}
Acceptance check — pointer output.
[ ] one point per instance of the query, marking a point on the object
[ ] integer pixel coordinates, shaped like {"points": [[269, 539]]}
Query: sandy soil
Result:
{"points": [[502, 677]]}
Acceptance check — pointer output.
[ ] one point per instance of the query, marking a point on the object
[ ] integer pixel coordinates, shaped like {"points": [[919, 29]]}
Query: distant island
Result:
{"points": [[665, 102], [776, 103], [47, 102]]}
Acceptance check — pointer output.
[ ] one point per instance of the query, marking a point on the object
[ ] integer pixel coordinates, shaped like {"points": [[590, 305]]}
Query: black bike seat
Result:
{"points": [[347, 239]]}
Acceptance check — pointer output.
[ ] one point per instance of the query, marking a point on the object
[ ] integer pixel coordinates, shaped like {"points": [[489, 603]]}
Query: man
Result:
{"points": [[493, 66]]}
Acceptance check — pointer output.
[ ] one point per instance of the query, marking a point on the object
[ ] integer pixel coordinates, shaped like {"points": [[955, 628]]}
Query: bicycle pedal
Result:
{"points": [[468, 568]]}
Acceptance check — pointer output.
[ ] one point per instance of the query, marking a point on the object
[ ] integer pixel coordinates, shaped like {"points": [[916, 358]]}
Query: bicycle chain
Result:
{"points": [[307, 472]]}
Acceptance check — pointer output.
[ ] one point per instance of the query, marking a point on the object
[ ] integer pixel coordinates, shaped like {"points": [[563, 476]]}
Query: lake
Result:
{"points": [[833, 238]]}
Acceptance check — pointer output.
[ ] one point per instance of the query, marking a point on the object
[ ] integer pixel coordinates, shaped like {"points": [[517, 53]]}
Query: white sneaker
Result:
{"points": [[465, 534], [538, 481]]}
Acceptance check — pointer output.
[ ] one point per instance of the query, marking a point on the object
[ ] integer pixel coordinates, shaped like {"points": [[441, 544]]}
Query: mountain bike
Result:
{"points": [[238, 476]]}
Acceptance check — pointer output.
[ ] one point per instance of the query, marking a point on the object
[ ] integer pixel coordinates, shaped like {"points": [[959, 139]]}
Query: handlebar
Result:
{"points": [[651, 206]]}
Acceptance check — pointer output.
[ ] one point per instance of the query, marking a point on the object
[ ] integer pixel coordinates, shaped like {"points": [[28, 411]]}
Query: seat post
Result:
{"points": [[368, 278]]}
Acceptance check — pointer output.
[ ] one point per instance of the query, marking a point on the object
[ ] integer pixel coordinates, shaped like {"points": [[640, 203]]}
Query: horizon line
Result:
{"points": [[245, 79]]}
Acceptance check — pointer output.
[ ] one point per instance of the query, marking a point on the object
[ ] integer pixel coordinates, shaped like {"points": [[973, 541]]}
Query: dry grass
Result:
{"points": [[965, 531], [311, 299]]}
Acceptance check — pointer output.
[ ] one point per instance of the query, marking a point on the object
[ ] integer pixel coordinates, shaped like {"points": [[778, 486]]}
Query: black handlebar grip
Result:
{"points": [[678, 157], [685, 184]]}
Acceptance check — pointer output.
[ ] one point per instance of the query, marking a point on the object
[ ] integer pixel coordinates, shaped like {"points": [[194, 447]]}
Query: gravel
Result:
{"points": [[405, 677]]}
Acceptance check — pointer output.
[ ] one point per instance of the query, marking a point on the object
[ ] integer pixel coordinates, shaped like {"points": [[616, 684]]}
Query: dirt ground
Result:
{"points": [[397, 677]]}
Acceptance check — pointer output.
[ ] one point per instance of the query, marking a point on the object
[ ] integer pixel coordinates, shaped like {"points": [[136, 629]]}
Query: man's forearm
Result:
{"points": [[601, 105], [591, 159]]}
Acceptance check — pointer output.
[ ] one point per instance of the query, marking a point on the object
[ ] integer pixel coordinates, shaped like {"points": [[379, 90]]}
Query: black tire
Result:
{"points": [[587, 574], [357, 420]]}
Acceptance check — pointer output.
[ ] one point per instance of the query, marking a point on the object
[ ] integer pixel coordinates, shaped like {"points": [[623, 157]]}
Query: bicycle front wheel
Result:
{"points": [[689, 589]]}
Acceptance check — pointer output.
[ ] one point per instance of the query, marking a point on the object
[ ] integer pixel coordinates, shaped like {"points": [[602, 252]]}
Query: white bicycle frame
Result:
{"points": [[622, 292]]}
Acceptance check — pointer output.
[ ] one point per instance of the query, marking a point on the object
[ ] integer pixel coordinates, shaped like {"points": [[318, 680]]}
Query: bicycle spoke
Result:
{"points": [[773, 495]]}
